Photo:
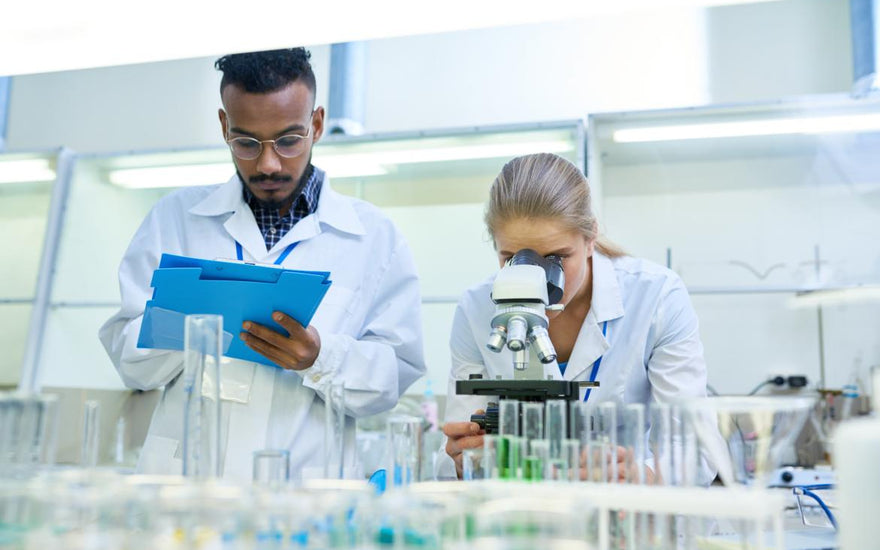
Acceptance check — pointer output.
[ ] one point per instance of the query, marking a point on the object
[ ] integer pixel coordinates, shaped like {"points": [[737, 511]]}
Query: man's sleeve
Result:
{"points": [[142, 369], [386, 356]]}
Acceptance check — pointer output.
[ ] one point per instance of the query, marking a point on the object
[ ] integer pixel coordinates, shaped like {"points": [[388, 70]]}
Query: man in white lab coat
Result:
{"points": [[278, 208]]}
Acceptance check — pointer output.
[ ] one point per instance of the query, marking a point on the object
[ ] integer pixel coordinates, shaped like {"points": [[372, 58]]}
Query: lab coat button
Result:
{"points": [[316, 378]]}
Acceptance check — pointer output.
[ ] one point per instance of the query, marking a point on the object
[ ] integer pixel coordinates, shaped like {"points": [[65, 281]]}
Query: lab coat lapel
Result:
{"points": [[589, 346], [242, 227], [225, 200], [606, 305]]}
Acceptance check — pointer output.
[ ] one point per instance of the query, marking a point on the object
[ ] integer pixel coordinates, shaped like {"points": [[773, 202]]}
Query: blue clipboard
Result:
{"points": [[237, 291]]}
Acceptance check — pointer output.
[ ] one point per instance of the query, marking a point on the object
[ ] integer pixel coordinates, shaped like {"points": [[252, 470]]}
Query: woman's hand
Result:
{"points": [[627, 470], [461, 436]]}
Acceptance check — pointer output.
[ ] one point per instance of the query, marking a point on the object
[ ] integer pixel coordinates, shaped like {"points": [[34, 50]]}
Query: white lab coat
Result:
{"points": [[369, 323], [651, 351]]}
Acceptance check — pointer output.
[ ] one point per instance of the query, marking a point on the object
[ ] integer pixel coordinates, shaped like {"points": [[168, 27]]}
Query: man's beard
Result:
{"points": [[275, 204], [281, 203]]}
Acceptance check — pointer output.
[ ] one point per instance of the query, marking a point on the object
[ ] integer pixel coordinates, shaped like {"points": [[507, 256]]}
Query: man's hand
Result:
{"points": [[461, 436], [295, 352]]}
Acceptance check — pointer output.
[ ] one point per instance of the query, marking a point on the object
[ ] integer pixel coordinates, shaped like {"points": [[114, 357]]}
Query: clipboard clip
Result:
{"points": [[242, 262]]}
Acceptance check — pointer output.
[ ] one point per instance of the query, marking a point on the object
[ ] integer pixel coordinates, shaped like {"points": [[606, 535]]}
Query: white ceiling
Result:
{"points": [[39, 36]]}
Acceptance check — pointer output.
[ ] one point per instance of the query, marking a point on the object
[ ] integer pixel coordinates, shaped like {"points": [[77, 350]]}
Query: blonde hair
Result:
{"points": [[547, 186]]}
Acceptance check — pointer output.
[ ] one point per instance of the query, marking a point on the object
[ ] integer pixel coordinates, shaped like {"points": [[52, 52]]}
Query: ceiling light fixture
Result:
{"points": [[780, 126], [26, 170], [172, 176]]}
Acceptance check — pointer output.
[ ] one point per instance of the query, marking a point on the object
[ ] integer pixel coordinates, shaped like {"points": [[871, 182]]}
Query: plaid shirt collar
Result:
{"points": [[274, 226]]}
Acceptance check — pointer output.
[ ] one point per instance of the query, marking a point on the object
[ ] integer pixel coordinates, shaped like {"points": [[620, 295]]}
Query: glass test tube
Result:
{"points": [[27, 422], [91, 434], [571, 454], [405, 445], [491, 456], [31, 428], [535, 464], [119, 447], [660, 442], [13, 429], [685, 434], [44, 438], [555, 426], [633, 417], [271, 468], [203, 339], [508, 417], [334, 431], [533, 421], [607, 440], [507, 453]]}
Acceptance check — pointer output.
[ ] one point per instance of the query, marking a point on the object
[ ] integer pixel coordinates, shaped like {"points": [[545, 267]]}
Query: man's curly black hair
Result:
{"points": [[268, 71]]}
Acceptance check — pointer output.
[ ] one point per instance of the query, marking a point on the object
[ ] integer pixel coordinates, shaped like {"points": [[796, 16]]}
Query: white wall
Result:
{"points": [[550, 71]]}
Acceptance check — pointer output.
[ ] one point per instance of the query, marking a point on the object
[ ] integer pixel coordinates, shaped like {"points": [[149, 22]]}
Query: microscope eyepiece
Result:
{"points": [[552, 265]]}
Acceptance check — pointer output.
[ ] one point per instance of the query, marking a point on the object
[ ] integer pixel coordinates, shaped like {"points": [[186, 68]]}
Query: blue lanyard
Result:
{"points": [[240, 255], [596, 364]]}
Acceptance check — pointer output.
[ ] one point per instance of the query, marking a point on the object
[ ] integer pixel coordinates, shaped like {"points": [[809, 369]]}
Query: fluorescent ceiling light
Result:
{"points": [[779, 126], [343, 166], [835, 296], [22, 171], [172, 176]]}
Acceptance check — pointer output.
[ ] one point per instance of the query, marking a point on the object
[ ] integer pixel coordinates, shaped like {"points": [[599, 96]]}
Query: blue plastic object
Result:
{"points": [[379, 479], [237, 291]]}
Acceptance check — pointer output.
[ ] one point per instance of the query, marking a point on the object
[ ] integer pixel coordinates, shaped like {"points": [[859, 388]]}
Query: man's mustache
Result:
{"points": [[264, 177]]}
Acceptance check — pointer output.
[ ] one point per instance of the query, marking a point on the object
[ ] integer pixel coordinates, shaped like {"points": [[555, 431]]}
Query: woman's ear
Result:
{"points": [[590, 247]]}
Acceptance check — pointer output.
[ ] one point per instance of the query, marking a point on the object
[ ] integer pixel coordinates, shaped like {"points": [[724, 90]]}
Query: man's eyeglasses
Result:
{"points": [[287, 146]]}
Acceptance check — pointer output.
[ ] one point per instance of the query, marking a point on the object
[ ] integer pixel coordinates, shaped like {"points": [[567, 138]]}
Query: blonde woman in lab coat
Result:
{"points": [[627, 323]]}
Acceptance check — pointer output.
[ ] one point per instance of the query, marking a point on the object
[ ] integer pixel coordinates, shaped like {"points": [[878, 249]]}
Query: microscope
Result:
{"points": [[526, 287]]}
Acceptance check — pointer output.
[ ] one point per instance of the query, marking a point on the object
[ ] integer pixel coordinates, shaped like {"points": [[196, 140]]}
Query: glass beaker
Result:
{"points": [[745, 436], [202, 342], [405, 446], [91, 434]]}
